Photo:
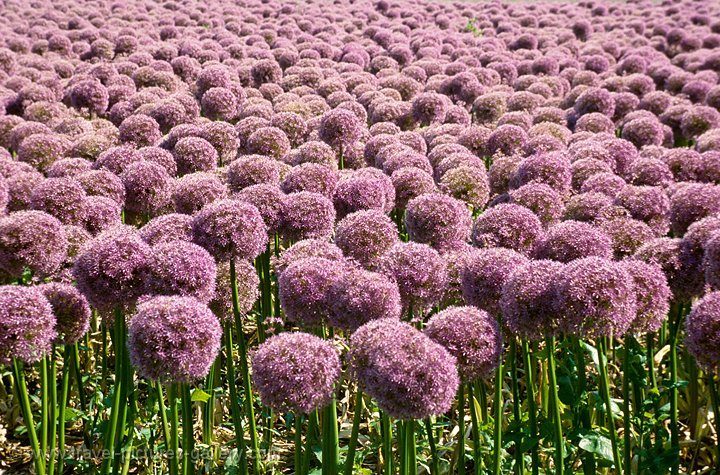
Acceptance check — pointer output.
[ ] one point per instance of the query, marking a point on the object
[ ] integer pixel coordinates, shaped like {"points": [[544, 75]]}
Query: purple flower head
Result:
{"points": [[33, 240], [89, 95], [159, 156], [685, 164], [358, 192], [420, 272], [20, 187], [148, 188], [230, 229], [307, 248], [438, 220], [408, 374], [508, 225], [63, 198], [646, 203], [364, 236], [595, 296], [467, 184], [528, 300], [643, 131], [42, 150], [429, 108], [303, 289], [552, 169], [27, 324], [652, 292], [269, 141], [270, 202], [223, 137], [484, 274], [702, 328], [219, 103], [168, 227], [360, 296], [116, 159], [140, 131], [627, 234], [542, 200], [311, 177], [307, 215], [251, 170], [173, 339], [248, 286], [182, 268], [586, 206], [698, 120], [68, 167], [471, 336], [194, 154], [101, 213], [692, 203], [650, 172], [409, 183], [111, 269], [508, 139], [572, 240], [296, 372], [71, 311], [606, 183], [595, 100], [339, 128]]}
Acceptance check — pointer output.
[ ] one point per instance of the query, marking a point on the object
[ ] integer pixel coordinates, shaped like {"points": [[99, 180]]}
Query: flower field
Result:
{"points": [[359, 237]]}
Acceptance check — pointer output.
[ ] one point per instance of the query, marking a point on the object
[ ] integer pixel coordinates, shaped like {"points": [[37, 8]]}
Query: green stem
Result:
{"points": [[434, 459], [163, 414], [67, 357], [352, 446], [589, 464], [52, 415], [245, 369], [26, 410], [410, 448], [555, 403], [173, 453], [402, 448], [674, 427], [517, 406], [497, 434], [605, 388], [627, 449], [650, 339], [45, 405], [715, 401], [209, 412], [475, 428], [298, 445], [235, 412], [532, 408], [461, 432], [118, 402], [78, 376], [330, 439], [310, 439], [387, 443], [187, 422]]}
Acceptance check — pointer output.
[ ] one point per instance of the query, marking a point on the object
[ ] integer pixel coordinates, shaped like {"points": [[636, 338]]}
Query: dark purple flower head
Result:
{"points": [[71, 311], [360, 296], [182, 268], [140, 131], [484, 275], [542, 200], [508, 139], [159, 156], [692, 251], [420, 272], [471, 336], [692, 203], [595, 297], [219, 103], [438, 220], [666, 253], [296, 372], [358, 192], [101, 213], [303, 289], [652, 292], [586, 206], [572, 240], [116, 159], [89, 95], [42, 150], [230, 229], [698, 120], [168, 227], [685, 164], [508, 225], [702, 328], [364, 236], [408, 374], [528, 300], [63, 198], [467, 184], [409, 183], [194, 154], [111, 269], [148, 188], [627, 234], [339, 128], [643, 131], [307, 215], [33, 240], [311, 177], [711, 260], [173, 339], [269, 200], [27, 324]]}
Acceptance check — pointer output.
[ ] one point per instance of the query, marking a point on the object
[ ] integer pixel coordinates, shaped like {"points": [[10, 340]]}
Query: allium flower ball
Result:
{"points": [[140, 131], [182, 268], [646, 203], [173, 339], [69, 167], [364, 236], [484, 275], [63, 198], [253, 170], [420, 272], [652, 293], [296, 372], [168, 227], [33, 240], [692, 203], [429, 107], [191, 192], [409, 183], [116, 159], [360, 296], [508, 139], [219, 103], [41, 150], [269, 200], [307, 215], [248, 287], [303, 289], [101, 213], [90, 95], [711, 261], [269, 141], [194, 154], [627, 234], [438, 220], [27, 324], [230, 229], [357, 193], [472, 336], [643, 131], [545, 202], [71, 311], [528, 300], [572, 240], [553, 169], [409, 375], [702, 331], [595, 297], [311, 177], [467, 184], [339, 128], [148, 188], [508, 225]]}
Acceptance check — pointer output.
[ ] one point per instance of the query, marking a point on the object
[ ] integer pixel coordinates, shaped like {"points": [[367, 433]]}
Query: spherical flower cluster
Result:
{"points": [[33, 240], [702, 328], [303, 289], [296, 372], [168, 227], [307, 215], [148, 188], [652, 293], [63, 198], [508, 225], [438, 220], [182, 268], [408, 374], [192, 192], [364, 236], [339, 128], [484, 275], [230, 229], [194, 154], [307, 248], [360, 296], [27, 324], [173, 339], [248, 289], [70, 309], [572, 240], [472, 336]]}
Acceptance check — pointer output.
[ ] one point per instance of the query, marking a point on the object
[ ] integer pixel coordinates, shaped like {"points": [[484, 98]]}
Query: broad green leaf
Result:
{"points": [[198, 395], [597, 444]]}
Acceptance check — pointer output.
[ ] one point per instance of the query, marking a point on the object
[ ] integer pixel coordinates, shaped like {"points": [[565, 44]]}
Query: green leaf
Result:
{"points": [[592, 350], [232, 463], [198, 395], [72, 414], [597, 444]]}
